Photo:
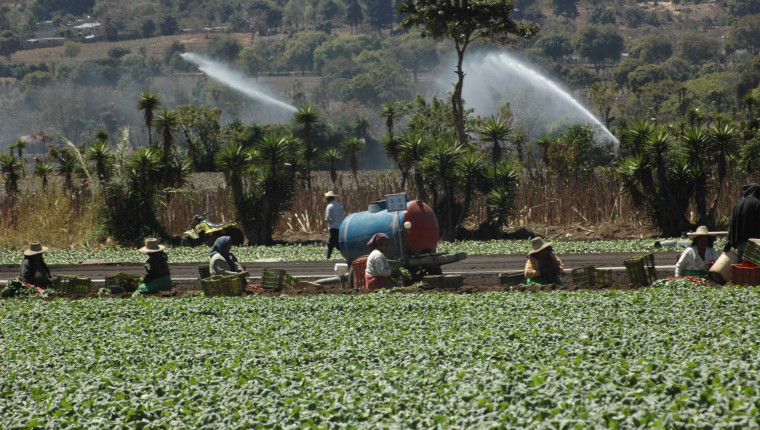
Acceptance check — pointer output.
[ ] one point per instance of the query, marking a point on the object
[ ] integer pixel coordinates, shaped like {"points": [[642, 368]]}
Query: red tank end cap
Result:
{"points": [[424, 234]]}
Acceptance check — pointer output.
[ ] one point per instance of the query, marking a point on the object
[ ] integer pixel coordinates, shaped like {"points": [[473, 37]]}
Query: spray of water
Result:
{"points": [[495, 78], [235, 80]]}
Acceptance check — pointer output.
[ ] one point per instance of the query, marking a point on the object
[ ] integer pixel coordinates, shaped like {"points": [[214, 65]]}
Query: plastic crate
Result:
{"points": [[592, 276], [358, 267], [126, 281], [752, 251], [512, 278], [72, 284], [230, 285], [204, 271], [277, 279], [452, 281], [434, 281], [641, 270], [745, 274]]}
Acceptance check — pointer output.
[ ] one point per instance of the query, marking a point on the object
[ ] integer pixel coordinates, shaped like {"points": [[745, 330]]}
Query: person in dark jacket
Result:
{"points": [[223, 262], [33, 268], [157, 277], [745, 219]]}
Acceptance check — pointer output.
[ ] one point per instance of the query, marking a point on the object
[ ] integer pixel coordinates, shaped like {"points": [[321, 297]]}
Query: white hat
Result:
{"points": [[151, 245], [330, 194], [538, 245], [701, 231], [35, 248]]}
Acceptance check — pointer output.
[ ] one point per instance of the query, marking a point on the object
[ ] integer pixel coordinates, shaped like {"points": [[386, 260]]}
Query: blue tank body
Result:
{"points": [[357, 228]]}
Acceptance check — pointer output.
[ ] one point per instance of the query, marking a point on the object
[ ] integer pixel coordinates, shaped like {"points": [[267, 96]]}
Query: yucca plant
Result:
{"points": [[12, 169], [331, 158]]}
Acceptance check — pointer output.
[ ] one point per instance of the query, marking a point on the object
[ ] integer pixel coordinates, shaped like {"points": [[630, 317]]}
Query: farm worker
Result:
{"points": [[157, 277], [378, 270], [697, 259], [33, 268], [745, 220], [543, 265], [223, 262], [333, 216]]}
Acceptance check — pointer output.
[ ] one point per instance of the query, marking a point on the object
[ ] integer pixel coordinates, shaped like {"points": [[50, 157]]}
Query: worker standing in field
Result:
{"points": [[333, 216], [157, 276], [33, 268], [745, 219], [543, 265], [697, 259]]}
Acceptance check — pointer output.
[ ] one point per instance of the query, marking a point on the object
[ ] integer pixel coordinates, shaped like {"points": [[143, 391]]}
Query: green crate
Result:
{"points": [[452, 281], [512, 278], [72, 284], [641, 269], [123, 280], [752, 251], [230, 285], [591, 276], [434, 281], [277, 279]]}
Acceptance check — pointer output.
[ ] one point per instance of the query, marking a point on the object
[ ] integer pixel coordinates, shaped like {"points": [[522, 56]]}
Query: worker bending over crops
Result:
{"points": [[378, 270], [223, 262], [33, 269], [543, 265], [157, 277], [697, 259]]}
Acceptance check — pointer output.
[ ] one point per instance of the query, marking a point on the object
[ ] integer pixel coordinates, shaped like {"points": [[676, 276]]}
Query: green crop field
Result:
{"points": [[679, 355]]}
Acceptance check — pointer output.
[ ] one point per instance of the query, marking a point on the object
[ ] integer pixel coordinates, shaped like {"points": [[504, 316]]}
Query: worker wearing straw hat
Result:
{"points": [[333, 216], [697, 258], [543, 265], [33, 269], [157, 277]]}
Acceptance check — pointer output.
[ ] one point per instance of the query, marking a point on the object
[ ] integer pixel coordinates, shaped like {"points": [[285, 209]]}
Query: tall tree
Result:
{"points": [[11, 169], [495, 130], [166, 122], [598, 43], [307, 116], [352, 146], [464, 22], [148, 102], [42, 170], [332, 157]]}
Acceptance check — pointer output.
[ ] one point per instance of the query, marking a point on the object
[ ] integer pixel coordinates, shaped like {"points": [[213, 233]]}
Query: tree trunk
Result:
{"points": [[456, 98]]}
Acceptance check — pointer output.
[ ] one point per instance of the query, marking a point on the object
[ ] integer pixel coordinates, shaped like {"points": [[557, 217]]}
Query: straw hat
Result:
{"points": [[330, 194], [35, 248], [151, 245], [538, 245], [701, 231]]}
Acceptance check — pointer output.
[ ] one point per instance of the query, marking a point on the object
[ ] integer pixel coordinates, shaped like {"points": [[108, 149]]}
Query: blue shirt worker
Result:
{"points": [[333, 216]]}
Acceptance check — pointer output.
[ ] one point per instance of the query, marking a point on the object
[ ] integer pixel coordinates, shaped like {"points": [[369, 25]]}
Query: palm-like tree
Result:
{"points": [[19, 146], [351, 146], [274, 150], [148, 102], [412, 150], [636, 138], [723, 144], [440, 167], [166, 123], [391, 112], [146, 165], [67, 164], [495, 130], [234, 161], [390, 145], [473, 175], [750, 102], [694, 147], [11, 168], [307, 116], [332, 157], [42, 170], [99, 152]]}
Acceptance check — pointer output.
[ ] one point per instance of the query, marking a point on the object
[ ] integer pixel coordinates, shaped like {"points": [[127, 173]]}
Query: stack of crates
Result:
{"points": [[358, 267], [277, 279], [230, 285], [748, 272], [512, 278], [641, 269], [72, 284], [591, 276]]}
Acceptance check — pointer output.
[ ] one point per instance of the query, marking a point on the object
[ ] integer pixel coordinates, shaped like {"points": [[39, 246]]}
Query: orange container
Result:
{"points": [[358, 266], [745, 274]]}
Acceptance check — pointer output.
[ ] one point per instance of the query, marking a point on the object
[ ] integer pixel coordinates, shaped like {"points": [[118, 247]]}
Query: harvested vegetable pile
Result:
{"points": [[677, 355]]}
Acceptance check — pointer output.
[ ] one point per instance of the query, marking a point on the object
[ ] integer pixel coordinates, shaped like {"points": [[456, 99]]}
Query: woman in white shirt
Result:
{"points": [[378, 270], [697, 259]]}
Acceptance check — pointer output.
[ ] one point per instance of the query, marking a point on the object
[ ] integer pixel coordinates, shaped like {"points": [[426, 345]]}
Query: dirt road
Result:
{"points": [[476, 269]]}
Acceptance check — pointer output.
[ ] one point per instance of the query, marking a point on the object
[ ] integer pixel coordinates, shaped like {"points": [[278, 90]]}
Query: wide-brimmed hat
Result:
{"points": [[151, 245], [701, 231], [538, 245], [330, 194], [35, 248]]}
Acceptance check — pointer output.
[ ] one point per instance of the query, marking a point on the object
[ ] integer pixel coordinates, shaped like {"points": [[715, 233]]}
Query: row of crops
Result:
{"points": [[316, 252], [678, 355]]}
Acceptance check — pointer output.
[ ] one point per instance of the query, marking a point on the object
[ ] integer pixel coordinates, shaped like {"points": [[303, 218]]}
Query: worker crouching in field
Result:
{"points": [[697, 259], [543, 265], [157, 277], [378, 270], [33, 269], [223, 262]]}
